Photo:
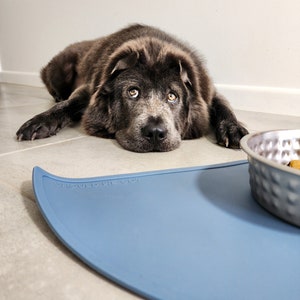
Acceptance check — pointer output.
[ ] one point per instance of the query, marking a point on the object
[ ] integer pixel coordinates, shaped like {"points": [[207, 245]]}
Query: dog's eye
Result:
{"points": [[133, 93], [172, 98]]}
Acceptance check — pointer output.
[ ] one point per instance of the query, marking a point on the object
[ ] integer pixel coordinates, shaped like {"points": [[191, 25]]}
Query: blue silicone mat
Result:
{"points": [[193, 233]]}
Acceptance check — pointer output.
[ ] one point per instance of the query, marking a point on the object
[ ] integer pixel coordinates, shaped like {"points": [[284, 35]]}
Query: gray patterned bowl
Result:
{"points": [[274, 185]]}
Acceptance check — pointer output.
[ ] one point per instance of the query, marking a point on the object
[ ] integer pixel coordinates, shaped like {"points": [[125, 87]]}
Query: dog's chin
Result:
{"points": [[142, 145]]}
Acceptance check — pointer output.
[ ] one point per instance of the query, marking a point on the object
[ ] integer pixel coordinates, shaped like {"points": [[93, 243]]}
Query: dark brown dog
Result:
{"points": [[139, 85]]}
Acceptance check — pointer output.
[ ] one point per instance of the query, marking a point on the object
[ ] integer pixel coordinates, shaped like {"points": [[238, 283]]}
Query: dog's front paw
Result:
{"points": [[38, 127], [229, 133]]}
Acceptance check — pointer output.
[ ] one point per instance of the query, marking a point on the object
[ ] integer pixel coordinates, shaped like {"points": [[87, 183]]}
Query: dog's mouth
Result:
{"points": [[154, 135], [154, 140]]}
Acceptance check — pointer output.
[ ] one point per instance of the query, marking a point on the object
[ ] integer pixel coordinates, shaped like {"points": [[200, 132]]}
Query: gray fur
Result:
{"points": [[174, 98]]}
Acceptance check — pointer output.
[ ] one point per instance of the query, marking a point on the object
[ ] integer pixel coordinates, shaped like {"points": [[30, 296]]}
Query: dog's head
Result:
{"points": [[149, 98]]}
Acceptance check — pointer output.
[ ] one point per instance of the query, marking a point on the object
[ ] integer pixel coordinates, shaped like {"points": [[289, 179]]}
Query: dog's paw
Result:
{"points": [[229, 133], [38, 127]]}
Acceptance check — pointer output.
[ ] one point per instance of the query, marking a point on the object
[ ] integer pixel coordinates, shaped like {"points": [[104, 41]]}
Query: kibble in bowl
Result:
{"points": [[295, 163], [274, 184]]}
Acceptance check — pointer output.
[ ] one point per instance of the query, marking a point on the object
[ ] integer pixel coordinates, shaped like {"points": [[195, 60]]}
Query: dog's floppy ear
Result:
{"points": [[196, 108], [116, 64], [182, 67], [124, 62], [98, 119], [184, 74]]}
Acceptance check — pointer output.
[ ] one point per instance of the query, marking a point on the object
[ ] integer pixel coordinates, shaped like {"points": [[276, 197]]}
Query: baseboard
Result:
{"points": [[250, 98], [275, 100]]}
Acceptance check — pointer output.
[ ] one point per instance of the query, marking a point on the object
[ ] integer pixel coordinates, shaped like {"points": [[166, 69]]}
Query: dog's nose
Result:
{"points": [[155, 133]]}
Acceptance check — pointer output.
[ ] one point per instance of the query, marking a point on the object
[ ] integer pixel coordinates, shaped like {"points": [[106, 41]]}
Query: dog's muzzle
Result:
{"points": [[152, 135]]}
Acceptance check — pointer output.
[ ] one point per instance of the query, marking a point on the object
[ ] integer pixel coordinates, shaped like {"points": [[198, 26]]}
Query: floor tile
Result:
{"points": [[34, 264], [20, 95]]}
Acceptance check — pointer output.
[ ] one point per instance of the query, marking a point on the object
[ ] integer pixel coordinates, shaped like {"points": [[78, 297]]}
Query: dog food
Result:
{"points": [[295, 164]]}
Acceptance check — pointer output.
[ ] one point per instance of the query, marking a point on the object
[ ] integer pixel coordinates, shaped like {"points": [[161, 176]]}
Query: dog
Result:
{"points": [[139, 85]]}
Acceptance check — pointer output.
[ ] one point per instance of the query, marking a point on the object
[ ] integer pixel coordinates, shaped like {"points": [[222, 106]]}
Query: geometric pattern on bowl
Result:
{"points": [[274, 185]]}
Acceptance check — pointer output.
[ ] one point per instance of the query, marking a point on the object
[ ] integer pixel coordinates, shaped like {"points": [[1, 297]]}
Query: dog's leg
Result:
{"points": [[223, 121], [60, 115]]}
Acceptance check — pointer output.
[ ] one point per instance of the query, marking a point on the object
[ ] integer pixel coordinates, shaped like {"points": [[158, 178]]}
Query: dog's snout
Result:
{"points": [[154, 131]]}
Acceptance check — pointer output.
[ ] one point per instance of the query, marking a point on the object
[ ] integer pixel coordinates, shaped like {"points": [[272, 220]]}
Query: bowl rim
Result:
{"points": [[262, 159]]}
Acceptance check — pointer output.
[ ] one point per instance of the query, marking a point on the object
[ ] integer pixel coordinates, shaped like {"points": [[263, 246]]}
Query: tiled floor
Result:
{"points": [[34, 264]]}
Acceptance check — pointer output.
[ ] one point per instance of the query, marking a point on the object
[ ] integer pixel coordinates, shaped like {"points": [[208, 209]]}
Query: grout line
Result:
{"points": [[41, 146]]}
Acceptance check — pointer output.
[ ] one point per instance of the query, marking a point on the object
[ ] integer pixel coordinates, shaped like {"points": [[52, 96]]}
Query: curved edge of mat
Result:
{"points": [[39, 172], [69, 240]]}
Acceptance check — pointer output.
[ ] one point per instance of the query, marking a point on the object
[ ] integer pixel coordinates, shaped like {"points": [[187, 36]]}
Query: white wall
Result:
{"points": [[252, 48]]}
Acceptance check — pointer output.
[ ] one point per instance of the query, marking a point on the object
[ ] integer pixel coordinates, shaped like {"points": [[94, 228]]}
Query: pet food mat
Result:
{"points": [[193, 233]]}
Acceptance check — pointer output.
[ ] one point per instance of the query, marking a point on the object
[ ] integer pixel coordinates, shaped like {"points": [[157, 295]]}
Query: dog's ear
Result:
{"points": [[98, 118], [125, 61], [114, 66], [196, 119], [184, 74], [181, 67]]}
